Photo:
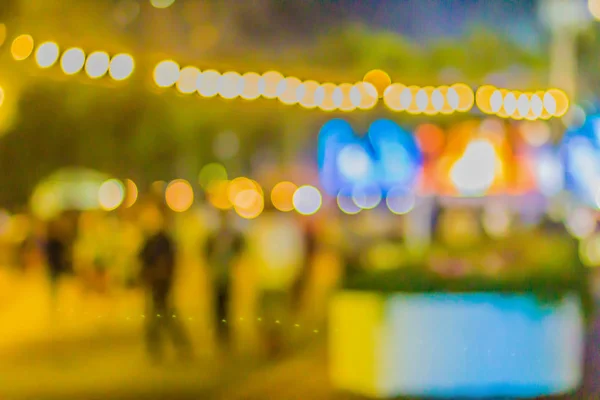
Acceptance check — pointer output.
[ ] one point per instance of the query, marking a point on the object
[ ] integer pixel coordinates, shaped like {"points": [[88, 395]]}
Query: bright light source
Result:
{"points": [[231, 85], [346, 204], [162, 3], [367, 196], [271, 81], [307, 200], [166, 73], [97, 64], [399, 201], [208, 83], [475, 171], [111, 194], [179, 195], [249, 204], [188, 80], [46, 54], [379, 79], [353, 162], [72, 61], [22, 47], [251, 86], [131, 193], [121, 67], [282, 196]]}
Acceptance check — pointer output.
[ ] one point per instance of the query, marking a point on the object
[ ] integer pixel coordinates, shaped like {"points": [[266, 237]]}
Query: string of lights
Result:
{"points": [[376, 85]]}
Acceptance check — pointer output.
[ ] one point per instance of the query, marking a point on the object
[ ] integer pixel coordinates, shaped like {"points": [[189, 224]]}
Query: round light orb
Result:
{"points": [[22, 47], [282, 196], [46, 54], [307, 200], [111, 194], [379, 79], [399, 201], [121, 67], [208, 83], [166, 73], [179, 195], [97, 64], [72, 61], [188, 80]]}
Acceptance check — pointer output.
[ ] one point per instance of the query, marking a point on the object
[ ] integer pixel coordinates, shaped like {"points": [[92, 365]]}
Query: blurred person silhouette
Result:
{"points": [[223, 249], [58, 252], [157, 273]]}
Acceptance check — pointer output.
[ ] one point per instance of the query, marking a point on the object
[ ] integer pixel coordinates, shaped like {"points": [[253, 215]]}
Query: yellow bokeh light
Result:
{"points": [[230, 85], [166, 73], [391, 97], [131, 193], [309, 99], [365, 94], [483, 97], [466, 97], [379, 79], [416, 105], [345, 91], [287, 90], [239, 185], [327, 103], [218, 194], [561, 101], [2, 95], [72, 61], [111, 194], [208, 83], [249, 204], [188, 80], [46, 54], [282, 196], [22, 47], [251, 86], [210, 173], [161, 3], [97, 64], [429, 107], [271, 81], [179, 195], [121, 67]]}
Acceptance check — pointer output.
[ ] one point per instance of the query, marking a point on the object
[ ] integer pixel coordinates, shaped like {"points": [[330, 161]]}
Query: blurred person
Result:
{"points": [[277, 243], [157, 272], [58, 252], [223, 249]]}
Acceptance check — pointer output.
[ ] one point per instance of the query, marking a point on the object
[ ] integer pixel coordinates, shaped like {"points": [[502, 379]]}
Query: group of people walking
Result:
{"points": [[222, 250]]}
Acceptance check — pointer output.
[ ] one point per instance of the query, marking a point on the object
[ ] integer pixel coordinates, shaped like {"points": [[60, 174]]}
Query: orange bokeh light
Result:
{"points": [[179, 195], [282, 196]]}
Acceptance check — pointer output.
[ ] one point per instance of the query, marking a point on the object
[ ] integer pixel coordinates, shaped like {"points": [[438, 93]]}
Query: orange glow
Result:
{"points": [[308, 99], [239, 185], [251, 86], [344, 90], [249, 203], [483, 96], [328, 103], [131, 193], [22, 47], [282, 196], [179, 195], [379, 79], [271, 81], [364, 95], [218, 194], [430, 138], [287, 90], [391, 97], [561, 100], [466, 97]]}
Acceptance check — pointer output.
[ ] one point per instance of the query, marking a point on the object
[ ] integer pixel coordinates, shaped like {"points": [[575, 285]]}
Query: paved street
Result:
{"points": [[95, 351]]}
